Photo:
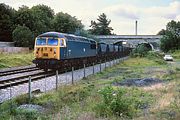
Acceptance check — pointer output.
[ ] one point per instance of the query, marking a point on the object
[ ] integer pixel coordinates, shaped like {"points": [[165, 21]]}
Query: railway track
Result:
{"points": [[16, 71], [21, 79], [24, 79], [16, 78]]}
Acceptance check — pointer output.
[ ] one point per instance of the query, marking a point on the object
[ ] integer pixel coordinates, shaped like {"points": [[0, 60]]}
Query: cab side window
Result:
{"points": [[61, 42]]}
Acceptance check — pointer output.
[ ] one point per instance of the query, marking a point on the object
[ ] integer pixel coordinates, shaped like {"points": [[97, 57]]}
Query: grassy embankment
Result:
{"points": [[95, 97], [13, 60]]}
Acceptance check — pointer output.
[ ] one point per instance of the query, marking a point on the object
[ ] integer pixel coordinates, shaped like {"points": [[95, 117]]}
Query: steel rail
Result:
{"points": [[16, 71], [24, 79]]}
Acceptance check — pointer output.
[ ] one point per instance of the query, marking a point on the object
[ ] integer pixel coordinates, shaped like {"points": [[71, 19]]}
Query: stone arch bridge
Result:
{"points": [[132, 40]]}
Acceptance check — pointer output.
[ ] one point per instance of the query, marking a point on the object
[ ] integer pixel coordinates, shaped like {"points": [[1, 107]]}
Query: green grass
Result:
{"points": [[12, 60], [176, 54], [84, 99]]}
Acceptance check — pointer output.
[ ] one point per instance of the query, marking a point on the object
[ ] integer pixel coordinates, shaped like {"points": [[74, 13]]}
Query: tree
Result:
{"points": [[162, 32], [23, 37], [65, 23], [171, 37], [24, 17], [42, 17], [85, 33], [6, 22], [102, 26]]}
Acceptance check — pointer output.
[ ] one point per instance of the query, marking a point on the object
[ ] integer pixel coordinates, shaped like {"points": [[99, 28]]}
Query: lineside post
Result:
{"points": [[56, 79], [30, 95], [66, 77], [45, 83], [84, 70], [113, 61], [100, 66], [73, 75], [105, 64], [93, 68], [11, 104]]}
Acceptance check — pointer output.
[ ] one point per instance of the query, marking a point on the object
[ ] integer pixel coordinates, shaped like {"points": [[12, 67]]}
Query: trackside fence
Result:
{"points": [[49, 83]]}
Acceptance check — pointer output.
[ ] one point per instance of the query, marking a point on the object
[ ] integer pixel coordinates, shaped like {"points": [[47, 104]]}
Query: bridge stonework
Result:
{"points": [[132, 40]]}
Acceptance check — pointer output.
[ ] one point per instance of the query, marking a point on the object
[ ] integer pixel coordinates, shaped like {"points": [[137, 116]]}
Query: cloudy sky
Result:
{"points": [[152, 15]]}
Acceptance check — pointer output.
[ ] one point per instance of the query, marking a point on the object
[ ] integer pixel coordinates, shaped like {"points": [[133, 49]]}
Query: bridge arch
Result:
{"points": [[147, 45], [132, 40]]}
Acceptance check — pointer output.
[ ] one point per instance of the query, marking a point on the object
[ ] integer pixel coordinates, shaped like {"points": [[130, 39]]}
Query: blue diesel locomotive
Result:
{"points": [[55, 50]]}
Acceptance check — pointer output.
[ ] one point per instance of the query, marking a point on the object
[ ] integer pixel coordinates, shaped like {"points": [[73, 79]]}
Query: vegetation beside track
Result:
{"points": [[14, 60], [96, 97], [176, 54]]}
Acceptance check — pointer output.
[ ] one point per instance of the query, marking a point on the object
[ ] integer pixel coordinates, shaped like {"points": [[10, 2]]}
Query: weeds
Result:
{"points": [[94, 97], [12, 60], [26, 114], [122, 102]]}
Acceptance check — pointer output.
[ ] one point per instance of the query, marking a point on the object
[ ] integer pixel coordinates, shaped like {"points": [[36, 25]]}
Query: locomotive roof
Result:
{"points": [[62, 35], [52, 34]]}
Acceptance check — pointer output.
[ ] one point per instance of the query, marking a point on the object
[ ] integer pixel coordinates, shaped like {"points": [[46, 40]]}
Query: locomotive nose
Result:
{"points": [[46, 52]]}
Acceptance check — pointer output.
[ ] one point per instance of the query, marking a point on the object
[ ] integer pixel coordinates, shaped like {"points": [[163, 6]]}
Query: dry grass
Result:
{"points": [[70, 107], [164, 96], [155, 87], [12, 60]]}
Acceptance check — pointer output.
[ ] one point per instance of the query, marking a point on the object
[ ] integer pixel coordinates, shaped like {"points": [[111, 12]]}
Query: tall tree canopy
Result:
{"points": [[102, 26], [24, 17], [42, 16], [161, 32], [65, 23], [171, 37], [6, 22], [35, 20]]}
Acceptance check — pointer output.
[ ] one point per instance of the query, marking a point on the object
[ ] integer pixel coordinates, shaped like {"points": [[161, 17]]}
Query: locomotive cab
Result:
{"points": [[48, 47]]}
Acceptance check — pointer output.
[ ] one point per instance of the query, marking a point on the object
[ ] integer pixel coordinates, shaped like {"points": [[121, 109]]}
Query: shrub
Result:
{"points": [[23, 37], [141, 50], [157, 57], [176, 54], [26, 114], [122, 102]]}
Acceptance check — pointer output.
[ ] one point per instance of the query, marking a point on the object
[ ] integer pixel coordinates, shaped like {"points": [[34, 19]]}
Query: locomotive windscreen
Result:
{"points": [[52, 41], [41, 41]]}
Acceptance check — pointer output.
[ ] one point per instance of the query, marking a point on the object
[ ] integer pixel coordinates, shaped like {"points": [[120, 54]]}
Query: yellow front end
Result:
{"points": [[43, 50]]}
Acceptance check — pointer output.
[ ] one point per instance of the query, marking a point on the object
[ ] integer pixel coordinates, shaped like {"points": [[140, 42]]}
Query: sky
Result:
{"points": [[152, 15]]}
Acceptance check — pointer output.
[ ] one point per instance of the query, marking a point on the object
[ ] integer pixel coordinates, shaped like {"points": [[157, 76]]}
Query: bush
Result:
{"points": [[141, 50], [155, 56], [176, 54], [151, 55], [122, 102], [23, 37], [26, 114]]}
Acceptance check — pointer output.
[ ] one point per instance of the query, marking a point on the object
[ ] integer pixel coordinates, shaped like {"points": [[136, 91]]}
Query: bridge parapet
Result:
{"points": [[128, 36], [132, 40]]}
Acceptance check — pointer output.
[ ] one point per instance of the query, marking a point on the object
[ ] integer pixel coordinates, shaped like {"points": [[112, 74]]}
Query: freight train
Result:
{"points": [[59, 51]]}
